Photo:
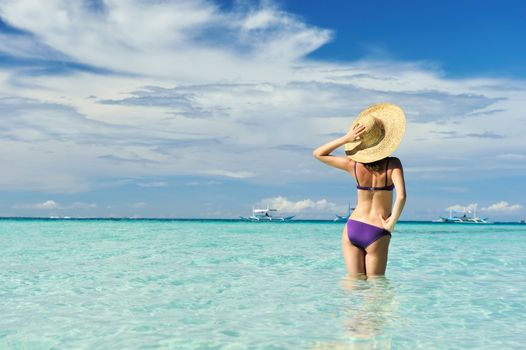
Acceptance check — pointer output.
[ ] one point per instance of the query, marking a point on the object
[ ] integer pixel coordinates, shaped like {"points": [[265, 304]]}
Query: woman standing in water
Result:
{"points": [[373, 136]]}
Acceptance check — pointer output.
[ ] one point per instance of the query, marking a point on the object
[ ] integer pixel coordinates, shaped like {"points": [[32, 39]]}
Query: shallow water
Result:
{"points": [[238, 285]]}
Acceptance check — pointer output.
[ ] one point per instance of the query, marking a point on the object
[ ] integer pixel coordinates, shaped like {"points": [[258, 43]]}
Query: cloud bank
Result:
{"points": [[51, 204], [304, 206], [501, 207]]}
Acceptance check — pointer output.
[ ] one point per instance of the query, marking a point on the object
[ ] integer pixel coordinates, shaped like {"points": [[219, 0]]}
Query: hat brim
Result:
{"points": [[393, 120]]}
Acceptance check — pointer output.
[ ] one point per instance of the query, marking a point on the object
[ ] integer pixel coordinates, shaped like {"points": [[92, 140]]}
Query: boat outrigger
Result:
{"points": [[266, 215], [464, 219], [344, 218]]}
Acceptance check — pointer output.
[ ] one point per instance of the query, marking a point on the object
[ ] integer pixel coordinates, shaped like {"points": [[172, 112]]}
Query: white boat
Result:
{"points": [[265, 215], [464, 219], [344, 218]]}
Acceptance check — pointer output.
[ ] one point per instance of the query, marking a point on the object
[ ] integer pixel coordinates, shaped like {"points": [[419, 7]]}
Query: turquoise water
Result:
{"points": [[236, 285]]}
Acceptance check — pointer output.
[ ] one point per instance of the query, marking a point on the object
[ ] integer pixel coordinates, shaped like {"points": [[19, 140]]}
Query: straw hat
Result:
{"points": [[384, 127]]}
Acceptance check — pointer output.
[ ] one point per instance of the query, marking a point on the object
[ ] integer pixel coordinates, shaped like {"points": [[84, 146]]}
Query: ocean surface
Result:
{"points": [[139, 284]]}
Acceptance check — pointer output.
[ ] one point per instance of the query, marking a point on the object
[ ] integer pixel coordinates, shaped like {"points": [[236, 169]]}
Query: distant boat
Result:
{"points": [[464, 219], [266, 215], [344, 218]]}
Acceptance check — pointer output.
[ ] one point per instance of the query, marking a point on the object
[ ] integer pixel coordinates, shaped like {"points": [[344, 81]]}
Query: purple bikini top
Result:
{"points": [[384, 188]]}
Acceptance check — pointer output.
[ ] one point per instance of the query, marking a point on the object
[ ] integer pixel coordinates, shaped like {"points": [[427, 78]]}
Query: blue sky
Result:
{"points": [[208, 108], [464, 38]]}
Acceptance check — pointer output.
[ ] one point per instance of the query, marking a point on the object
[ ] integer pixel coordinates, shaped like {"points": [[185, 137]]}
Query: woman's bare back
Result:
{"points": [[371, 204]]}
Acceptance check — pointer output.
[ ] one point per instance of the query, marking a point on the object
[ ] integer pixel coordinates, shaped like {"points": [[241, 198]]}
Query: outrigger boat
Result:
{"points": [[266, 215], [344, 218], [464, 219]]}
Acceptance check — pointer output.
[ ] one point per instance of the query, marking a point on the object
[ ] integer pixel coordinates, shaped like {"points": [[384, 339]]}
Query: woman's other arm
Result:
{"points": [[323, 153], [399, 182]]}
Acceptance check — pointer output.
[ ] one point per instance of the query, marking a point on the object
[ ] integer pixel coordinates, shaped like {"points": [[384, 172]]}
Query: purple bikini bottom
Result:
{"points": [[361, 234]]}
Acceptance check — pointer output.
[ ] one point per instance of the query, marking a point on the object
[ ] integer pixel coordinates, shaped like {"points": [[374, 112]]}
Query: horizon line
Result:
{"points": [[123, 218]]}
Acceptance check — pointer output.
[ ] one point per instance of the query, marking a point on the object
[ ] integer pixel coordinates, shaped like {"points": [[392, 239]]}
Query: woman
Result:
{"points": [[374, 135]]}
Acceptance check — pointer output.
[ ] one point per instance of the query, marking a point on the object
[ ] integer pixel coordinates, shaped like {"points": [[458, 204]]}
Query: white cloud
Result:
{"points": [[512, 156], [49, 204], [203, 183], [309, 205], [27, 47], [152, 184], [259, 20], [500, 207], [179, 87], [503, 207], [470, 208], [129, 36], [227, 173]]}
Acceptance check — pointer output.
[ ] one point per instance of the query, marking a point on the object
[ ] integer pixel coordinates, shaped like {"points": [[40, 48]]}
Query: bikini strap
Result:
{"points": [[386, 169], [356, 176]]}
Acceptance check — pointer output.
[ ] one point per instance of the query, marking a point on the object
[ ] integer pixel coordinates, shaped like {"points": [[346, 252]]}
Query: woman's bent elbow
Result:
{"points": [[401, 196]]}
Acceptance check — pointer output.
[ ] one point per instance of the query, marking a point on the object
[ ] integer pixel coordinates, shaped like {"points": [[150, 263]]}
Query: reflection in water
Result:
{"points": [[371, 308], [368, 311]]}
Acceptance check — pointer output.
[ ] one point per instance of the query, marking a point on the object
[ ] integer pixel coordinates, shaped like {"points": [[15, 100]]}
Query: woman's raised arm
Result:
{"points": [[323, 153]]}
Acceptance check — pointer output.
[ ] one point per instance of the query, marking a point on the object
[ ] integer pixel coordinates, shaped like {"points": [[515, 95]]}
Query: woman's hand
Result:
{"points": [[386, 224], [355, 132]]}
